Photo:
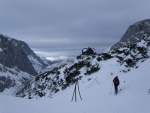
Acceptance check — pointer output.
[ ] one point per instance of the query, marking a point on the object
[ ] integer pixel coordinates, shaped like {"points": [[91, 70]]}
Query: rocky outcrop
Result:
{"points": [[88, 51], [135, 33], [14, 53], [18, 63]]}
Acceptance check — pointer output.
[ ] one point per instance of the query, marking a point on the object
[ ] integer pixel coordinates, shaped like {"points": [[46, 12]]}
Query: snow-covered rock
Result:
{"points": [[18, 63], [135, 33]]}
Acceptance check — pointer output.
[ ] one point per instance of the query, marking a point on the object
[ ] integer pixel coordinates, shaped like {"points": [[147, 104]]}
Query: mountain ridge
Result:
{"points": [[134, 34], [18, 62]]}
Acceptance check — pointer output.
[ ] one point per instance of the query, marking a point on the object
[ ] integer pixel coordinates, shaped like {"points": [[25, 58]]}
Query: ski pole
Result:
{"points": [[111, 88], [119, 88]]}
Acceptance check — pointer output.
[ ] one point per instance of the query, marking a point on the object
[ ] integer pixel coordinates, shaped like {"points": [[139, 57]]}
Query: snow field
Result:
{"points": [[96, 93]]}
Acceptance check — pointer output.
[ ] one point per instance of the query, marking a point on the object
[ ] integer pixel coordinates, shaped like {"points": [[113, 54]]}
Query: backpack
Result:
{"points": [[116, 80]]}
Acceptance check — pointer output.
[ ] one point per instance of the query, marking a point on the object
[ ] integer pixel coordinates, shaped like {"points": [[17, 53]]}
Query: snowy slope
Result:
{"points": [[130, 64], [52, 89], [133, 97], [63, 62], [11, 79], [60, 76]]}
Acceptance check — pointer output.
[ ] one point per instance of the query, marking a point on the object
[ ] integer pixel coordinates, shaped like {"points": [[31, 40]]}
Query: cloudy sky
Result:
{"points": [[55, 28]]}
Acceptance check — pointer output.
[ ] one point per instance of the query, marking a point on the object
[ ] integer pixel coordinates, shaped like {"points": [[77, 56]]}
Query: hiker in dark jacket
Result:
{"points": [[116, 83]]}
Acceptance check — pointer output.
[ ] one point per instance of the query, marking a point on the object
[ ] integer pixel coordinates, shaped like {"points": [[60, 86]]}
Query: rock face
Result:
{"points": [[18, 63], [14, 53], [88, 51], [135, 33]]}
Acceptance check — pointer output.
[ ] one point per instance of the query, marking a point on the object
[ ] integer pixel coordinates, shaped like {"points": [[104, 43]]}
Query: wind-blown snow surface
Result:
{"points": [[96, 93]]}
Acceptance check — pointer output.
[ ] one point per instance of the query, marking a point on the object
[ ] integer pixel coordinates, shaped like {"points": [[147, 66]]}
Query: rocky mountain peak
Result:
{"points": [[15, 53], [135, 33], [18, 63]]}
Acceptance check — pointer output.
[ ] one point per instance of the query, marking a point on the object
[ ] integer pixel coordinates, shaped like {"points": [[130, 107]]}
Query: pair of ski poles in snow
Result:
{"points": [[112, 86]]}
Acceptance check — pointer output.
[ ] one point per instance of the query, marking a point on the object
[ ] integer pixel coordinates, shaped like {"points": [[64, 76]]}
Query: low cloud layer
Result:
{"points": [[64, 27]]}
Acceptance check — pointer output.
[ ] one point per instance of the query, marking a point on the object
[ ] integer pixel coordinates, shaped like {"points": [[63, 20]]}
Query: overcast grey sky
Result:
{"points": [[63, 27]]}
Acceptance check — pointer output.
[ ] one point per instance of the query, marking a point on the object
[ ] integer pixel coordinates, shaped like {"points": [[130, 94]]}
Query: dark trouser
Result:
{"points": [[116, 88]]}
